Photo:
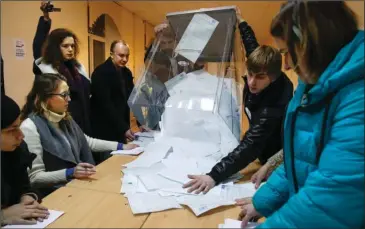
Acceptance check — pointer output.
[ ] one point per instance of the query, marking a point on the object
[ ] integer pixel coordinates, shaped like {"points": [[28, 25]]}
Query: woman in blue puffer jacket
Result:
{"points": [[321, 183]]}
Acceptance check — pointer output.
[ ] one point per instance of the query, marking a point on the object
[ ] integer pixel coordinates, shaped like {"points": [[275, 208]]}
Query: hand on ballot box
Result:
{"points": [[161, 27], [239, 15]]}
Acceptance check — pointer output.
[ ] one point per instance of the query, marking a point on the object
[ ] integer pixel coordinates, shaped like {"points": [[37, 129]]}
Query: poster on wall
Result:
{"points": [[19, 48]]}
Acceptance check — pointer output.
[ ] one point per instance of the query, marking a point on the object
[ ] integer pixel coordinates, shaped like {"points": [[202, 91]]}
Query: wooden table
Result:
{"points": [[108, 175], [97, 203], [185, 218], [87, 208]]}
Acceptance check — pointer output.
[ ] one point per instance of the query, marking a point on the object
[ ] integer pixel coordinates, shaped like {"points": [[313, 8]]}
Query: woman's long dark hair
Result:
{"points": [[43, 86], [51, 50]]}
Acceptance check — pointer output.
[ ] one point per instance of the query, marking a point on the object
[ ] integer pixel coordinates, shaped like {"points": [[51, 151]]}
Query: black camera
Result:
{"points": [[49, 7]]}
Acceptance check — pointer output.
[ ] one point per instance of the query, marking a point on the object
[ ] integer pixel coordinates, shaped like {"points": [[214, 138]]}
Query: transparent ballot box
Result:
{"points": [[189, 86]]}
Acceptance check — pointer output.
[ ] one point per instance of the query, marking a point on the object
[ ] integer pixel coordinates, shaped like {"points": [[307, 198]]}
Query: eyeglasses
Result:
{"points": [[64, 95]]}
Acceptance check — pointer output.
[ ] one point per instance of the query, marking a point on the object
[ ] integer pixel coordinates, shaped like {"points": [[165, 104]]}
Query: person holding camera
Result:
{"points": [[56, 53]]}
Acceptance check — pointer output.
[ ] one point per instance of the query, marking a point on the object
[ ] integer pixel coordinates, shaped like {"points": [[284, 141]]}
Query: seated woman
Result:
{"points": [[19, 203], [63, 150]]}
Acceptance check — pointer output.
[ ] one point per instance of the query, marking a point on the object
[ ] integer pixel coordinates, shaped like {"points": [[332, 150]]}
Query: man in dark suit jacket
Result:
{"points": [[111, 86]]}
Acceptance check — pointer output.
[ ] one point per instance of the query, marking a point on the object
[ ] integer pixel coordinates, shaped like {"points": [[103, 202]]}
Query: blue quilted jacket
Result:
{"points": [[321, 183]]}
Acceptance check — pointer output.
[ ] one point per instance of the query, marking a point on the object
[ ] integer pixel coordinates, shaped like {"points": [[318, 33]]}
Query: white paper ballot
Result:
{"points": [[154, 182], [150, 134], [171, 83], [153, 153], [135, 151], [231, 223], [53, 216], [143, 142], [165, 193], [200, 208], [196, 36], [237, 191], [200, 204], [131, 184], [140, 171], [179, 175], [151, 202]]}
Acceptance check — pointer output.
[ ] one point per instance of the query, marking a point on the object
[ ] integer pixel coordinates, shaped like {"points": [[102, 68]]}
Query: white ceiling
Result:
{"points": [[257, 13]]}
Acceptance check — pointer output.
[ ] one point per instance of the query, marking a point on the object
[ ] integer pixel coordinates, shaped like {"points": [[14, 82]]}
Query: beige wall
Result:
{"points": [[19, 20], [131, 28], [358, 8]]}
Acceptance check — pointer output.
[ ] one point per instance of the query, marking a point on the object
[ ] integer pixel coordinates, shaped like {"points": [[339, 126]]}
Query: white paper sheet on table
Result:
{"points": [[201, 208], [200, 204], [180, 175], [165, 193], [143, 141], [189, 148], [135, 151], [236, 191], [150, 134], [151, 202], [53, 216], [131, 184], [154, 182], [153, 153], [231, 223], [140, 171], [196, 36]]}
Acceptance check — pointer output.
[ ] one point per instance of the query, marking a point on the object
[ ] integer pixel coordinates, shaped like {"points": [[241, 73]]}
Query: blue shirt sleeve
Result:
{"points": [[69, 173], [120, 146]]}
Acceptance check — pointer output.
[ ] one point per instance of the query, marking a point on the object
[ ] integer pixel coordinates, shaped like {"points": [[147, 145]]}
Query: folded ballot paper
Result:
{"points": [[231, 223], [135, 151]]}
